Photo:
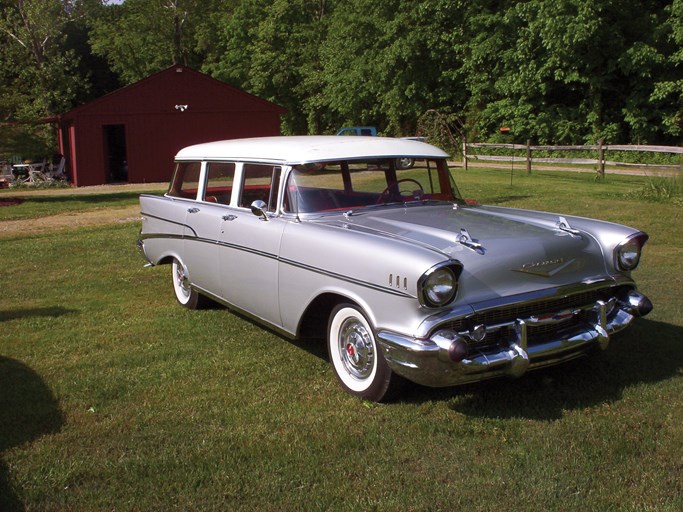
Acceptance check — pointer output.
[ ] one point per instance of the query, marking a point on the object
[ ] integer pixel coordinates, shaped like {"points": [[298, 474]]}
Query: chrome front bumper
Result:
{"points": [[443, 359]]}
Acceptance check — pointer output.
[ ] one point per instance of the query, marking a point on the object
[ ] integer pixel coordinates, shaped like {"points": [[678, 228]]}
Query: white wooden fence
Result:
{"points": [[600, 150]]}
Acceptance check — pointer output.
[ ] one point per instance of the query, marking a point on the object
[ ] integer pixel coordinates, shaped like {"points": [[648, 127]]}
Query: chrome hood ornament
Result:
{"points": [[563, 225], [465, 239]]}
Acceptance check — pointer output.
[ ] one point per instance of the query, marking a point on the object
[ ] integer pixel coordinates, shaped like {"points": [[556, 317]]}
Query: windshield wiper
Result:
{"points": [[389, 203]]}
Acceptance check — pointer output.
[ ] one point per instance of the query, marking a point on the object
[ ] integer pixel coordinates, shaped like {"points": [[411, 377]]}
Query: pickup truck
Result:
{"points": [[371, 131]]}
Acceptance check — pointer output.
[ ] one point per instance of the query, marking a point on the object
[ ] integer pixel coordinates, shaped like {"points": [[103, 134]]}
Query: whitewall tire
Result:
{"points": [[355, 354], [184, 293]]}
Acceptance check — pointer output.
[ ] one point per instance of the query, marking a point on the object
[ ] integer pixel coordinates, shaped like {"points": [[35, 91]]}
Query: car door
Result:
{"points": [[250, 245], [205, 218]]}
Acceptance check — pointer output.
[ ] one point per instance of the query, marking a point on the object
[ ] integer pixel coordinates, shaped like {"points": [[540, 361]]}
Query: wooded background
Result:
{"points": [[553, 71]]}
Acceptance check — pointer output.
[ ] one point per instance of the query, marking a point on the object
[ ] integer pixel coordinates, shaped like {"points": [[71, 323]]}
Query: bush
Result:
{"points": [[660, 188]]}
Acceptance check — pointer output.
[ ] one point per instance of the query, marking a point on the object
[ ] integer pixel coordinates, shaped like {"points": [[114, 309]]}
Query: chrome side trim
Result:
{"points": [[143, 214], [317, 270], [140, 245]]}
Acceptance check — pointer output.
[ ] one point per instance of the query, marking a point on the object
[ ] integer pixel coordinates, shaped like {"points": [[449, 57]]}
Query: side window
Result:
{"points": [[260, 182], [185, 180], [219, 182]]}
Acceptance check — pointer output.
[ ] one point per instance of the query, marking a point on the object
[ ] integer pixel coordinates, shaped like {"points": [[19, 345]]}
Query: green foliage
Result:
{"points": [[39, 77], [554, 71], [140, 37], [661, 188], [667, 94], [565, 72], [271, 49]]}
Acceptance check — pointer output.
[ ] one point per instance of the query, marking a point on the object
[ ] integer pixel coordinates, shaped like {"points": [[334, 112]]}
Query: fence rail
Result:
{"points": [[600, 160]]}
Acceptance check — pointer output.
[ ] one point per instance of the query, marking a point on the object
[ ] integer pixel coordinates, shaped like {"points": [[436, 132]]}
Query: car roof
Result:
{"points": [[308, 148]]}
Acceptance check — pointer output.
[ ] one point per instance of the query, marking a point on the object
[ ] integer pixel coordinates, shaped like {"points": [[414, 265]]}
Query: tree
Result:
{"points": [[556, 71], [140, 37], [39, 76], [271, 49], [385, 63], [667, 94], [564, 70]]}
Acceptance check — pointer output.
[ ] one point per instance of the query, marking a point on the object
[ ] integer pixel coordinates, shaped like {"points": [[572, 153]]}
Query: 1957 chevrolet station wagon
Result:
{"points": [[324, 237]]}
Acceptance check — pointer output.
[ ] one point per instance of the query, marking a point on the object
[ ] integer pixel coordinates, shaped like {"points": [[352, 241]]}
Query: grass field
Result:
{"points": [[112, 397]]}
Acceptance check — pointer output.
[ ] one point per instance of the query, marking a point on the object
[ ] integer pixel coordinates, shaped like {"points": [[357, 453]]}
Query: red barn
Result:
{"points": [[132, 134]]}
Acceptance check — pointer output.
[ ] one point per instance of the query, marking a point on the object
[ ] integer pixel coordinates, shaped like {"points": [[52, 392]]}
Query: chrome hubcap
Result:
{"points": [[181, 280], [356, 349]]}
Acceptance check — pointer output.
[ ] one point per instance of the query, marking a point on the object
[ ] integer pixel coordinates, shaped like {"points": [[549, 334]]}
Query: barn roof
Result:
{"points": [[189, 89]]}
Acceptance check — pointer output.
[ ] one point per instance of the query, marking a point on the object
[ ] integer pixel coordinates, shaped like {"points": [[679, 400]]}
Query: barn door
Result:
{"points": [[115, 158]]}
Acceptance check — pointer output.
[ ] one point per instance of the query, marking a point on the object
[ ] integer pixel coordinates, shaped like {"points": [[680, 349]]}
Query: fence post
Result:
{"points": [[601, 158], [464, 152], [528, 156]]}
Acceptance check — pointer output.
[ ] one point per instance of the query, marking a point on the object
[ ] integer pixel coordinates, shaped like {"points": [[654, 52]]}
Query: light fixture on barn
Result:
{"points": [[181, 108]]}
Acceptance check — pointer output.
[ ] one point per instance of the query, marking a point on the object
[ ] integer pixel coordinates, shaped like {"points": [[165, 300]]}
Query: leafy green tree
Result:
{"points": [[386, 63], [271, 49], [667, 94], [555, 71], [141, 37], [40, 76], [564, 70]]}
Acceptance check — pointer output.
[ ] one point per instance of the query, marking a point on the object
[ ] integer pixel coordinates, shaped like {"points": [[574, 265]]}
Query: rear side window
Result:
{"points": [[185, 181], [219, 182]]}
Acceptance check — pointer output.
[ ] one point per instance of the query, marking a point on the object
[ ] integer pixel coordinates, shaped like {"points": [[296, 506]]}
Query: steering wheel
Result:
{"points": [[409, 193]]}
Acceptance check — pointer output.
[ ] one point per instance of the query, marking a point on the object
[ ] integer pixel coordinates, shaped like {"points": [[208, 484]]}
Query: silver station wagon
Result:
{"points": [[327, 237]]}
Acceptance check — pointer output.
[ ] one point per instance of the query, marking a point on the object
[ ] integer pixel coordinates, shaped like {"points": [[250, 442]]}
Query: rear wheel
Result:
{"points": [[355, 355], [184, 293]]}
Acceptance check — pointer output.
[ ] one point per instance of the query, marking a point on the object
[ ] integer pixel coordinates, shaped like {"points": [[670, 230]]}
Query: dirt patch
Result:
{"points": [[10, 201], [95, 189], [69, 220]]}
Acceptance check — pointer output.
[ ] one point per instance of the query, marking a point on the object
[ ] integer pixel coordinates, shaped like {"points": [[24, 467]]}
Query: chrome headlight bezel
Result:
{"points": [[627, 254], [438, 286]]}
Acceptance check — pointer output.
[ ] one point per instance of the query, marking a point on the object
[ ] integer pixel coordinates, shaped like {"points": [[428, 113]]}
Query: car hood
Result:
{"points": [[501, 254]]}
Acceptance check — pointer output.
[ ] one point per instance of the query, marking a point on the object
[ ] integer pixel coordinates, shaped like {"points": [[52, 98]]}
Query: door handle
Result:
{"points": [[192, 210], [229, 217]]}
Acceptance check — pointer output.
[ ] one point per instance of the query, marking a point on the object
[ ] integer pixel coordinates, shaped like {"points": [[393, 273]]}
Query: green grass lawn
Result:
{"points": [[113, 397], [44, 202]]}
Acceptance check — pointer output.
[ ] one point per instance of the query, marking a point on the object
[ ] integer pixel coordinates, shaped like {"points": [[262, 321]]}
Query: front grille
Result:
{"points": [[535, 334]]}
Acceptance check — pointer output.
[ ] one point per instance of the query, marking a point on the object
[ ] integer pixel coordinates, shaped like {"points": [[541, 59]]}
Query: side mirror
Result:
{"points": [[259, 209]]}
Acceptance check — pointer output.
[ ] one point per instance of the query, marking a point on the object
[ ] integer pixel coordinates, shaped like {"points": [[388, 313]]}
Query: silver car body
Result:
{"points": [[533, 288]]}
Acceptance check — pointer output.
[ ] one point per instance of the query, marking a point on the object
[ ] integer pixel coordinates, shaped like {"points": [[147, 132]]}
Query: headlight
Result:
{"points": [[627, 253], [438, 286]]}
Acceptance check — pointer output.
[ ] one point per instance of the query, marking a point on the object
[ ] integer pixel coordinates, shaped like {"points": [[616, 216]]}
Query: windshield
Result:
{"points": [[354, 184]]}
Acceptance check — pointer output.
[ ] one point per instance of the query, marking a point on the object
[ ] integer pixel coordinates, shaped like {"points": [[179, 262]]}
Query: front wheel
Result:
{"points": [[355, 355]]}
